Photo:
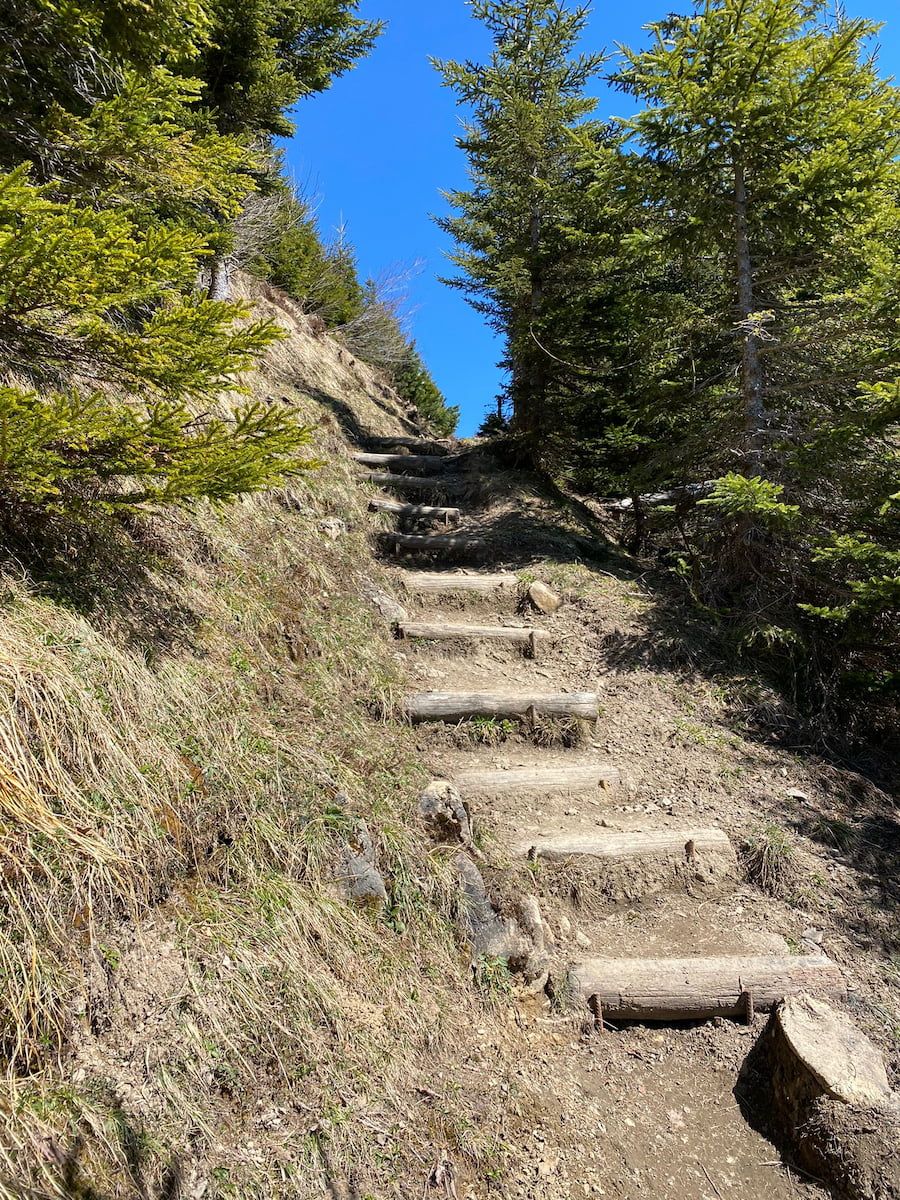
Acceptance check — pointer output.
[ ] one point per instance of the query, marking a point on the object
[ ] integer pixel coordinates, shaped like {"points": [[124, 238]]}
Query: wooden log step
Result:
{"points": [[458, 706], [415, 511], [683, 844], [517, 635], [435, 543], [403, 462], [418, 444], [683, 989], [435, 581], [542, 780], [414, 483]]}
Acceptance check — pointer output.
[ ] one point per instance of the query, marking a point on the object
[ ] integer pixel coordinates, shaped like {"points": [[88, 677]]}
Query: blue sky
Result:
{"points": [[377, 149]]}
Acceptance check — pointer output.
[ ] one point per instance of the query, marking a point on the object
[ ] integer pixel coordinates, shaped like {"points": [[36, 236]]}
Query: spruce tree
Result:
{"points": [[525, 102], [770, 132]]}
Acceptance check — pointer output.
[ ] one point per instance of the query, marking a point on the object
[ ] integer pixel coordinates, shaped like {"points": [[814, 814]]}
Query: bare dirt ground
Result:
{"points": [[667, 1111]]}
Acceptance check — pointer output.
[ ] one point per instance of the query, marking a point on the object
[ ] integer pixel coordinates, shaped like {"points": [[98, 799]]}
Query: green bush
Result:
{"points": [[85, 455], [87, 295]]}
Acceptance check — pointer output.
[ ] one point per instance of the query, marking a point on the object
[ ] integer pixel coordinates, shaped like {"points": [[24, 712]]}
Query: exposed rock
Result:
{"points": [[492, 935], [358, 874], [394, 613], [333, 527], [543, 599], [445, 813]]}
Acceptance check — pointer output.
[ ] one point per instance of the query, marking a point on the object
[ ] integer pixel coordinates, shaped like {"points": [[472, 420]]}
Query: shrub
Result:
{"points": [[89, 297], [76, 455]]}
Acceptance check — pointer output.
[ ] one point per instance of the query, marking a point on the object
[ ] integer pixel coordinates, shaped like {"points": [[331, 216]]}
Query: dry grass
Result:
{"points": [[770, 861], [186, 993]]}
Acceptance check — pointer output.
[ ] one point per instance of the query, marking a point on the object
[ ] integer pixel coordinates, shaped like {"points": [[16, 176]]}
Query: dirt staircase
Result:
{"points": [[552, 825]]}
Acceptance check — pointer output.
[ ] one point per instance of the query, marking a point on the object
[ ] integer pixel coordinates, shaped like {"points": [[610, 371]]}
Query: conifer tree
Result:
{"points": [[768, 149], [265, 55], [525, 103], [771, 132]]}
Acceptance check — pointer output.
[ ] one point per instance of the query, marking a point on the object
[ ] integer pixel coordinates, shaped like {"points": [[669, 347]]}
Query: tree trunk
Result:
{"points": [[528, 375], [752, 385], [219, 278]]}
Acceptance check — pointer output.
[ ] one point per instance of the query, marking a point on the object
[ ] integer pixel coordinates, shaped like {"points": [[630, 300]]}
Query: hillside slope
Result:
{"points": [[191, 748], [237, 965]]}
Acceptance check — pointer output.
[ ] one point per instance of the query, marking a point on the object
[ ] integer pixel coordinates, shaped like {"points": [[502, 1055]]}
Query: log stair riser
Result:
{"points": [[461, 706], [539, 781], [530, 640], [684, 989], [686, 845], [435, 583], [412, 483], [416, 512], [405, 462]]}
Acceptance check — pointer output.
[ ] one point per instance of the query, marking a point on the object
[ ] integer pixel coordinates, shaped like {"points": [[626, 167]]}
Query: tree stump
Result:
{"points": [[832, 1102]]}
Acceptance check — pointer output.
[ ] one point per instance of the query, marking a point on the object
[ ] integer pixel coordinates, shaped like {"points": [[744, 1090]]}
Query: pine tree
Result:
{"points": [[525, 103], [265, 55], [120, 186], [767, 150], [770, 132], [99, 314]]}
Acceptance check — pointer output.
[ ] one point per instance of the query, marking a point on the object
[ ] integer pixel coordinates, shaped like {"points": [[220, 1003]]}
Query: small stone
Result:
{"points": [[445, 813], [797, 794], [359, 877], [543, 599], [583, 940], [333, 527], [565, 927]]}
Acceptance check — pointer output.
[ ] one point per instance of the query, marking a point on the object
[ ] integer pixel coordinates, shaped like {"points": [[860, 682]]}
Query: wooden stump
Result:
{"points": [[831, 1100]]}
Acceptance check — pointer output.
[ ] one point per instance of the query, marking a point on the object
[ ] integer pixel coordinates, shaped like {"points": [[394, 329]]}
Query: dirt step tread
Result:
{"points": [[436, 541], [426, 446]]}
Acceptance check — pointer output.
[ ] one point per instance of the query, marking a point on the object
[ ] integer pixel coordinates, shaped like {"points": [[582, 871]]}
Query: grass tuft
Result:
{"points": [[770, 861]]}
